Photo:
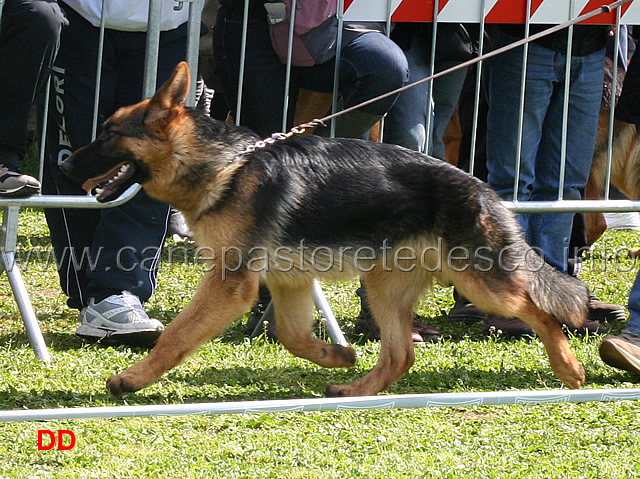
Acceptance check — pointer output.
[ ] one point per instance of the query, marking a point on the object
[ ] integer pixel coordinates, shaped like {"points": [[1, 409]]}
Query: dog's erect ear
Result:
{"points": [[170, 98]]}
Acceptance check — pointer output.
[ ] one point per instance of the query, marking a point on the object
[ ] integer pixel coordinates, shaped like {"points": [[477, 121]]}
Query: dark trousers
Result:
{"points": [[29, 35], [628, 108], [102, 252]]}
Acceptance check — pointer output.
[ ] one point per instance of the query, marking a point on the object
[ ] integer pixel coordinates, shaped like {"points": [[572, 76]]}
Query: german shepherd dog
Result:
{"points": [[625, 156], [625, 171], [307, 207]]}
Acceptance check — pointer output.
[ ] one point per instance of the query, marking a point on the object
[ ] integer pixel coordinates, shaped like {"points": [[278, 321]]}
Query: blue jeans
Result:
{"points": [[370, 65], [406, 122], [542, 136], [627, 110], [633, 326]]}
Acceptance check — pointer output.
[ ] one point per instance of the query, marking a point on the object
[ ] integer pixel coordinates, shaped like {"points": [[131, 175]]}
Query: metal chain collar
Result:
{"points": [[296, 130]]}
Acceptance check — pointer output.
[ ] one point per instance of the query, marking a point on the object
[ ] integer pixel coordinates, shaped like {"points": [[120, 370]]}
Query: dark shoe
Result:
{"points": [[508, 327], [464, 311], [13, 183], [255, 324], [588, 327], [255, 316], [516, 328], [420, 332], [366, 326], [622, 352], [599, 311], [425, 333]]}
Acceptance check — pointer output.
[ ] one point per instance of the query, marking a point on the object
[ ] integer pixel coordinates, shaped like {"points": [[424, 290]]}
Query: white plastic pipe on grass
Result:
{"points": [[328, 404]]}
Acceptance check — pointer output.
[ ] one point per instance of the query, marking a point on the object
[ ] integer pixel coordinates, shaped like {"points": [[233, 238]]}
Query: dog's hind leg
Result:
{"points": [[215, 305], [518, 304], [563, 362], [294, 324], [391, 297]]}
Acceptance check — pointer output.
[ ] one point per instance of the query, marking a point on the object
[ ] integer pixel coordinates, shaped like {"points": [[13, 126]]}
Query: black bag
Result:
{"points": [[453, 41]]}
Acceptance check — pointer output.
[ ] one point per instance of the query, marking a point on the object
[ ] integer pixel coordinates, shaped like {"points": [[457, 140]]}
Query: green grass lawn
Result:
{"points": [[586, 440]]}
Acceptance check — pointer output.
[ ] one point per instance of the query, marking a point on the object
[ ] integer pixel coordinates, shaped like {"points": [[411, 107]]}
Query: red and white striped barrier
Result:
{"points": [[495, 11]]}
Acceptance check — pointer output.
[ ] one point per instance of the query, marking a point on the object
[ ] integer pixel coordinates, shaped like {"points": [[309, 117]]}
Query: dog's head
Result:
{"points": [[135, 144]]}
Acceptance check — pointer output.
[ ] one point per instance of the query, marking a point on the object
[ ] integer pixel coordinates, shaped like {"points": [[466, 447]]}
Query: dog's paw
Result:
{"points": [[337, 391], [574, 378], [119, 384], [345, 355]]}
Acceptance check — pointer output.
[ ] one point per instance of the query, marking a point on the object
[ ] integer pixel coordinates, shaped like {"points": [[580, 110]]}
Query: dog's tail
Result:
{"points": [[561, 296]]}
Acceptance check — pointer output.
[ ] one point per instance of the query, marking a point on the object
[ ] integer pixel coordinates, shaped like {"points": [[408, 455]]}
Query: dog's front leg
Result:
{"points": [[215, 305]]}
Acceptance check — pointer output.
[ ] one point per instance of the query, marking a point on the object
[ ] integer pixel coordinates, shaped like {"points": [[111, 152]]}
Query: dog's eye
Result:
{"points": [[108, 135]]}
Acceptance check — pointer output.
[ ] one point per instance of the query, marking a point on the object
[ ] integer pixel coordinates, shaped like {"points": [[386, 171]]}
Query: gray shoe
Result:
{"points": [[13, 183], [622, 352], [118, 319]]}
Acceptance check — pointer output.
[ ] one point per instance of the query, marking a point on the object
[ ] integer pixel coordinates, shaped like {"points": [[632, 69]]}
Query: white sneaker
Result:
{"points": [[118, 319]]}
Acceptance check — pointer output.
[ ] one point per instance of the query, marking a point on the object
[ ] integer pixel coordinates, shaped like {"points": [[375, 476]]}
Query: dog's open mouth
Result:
{"points": [[113, 183]]}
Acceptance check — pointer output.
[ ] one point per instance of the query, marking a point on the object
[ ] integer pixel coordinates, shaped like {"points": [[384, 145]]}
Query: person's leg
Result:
{"points": [[464, 311], [466, 107], [446, 93], [504, 92], [29, 37], [623, 351], [370, 65], [627, 107], [633, 326], [105, 285], [130, 236], [69, 127], [551, 232], [406, 122]]}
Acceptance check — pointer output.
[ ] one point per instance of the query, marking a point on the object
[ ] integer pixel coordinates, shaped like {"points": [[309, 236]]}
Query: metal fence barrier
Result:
{"points": [[484, 12]]}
